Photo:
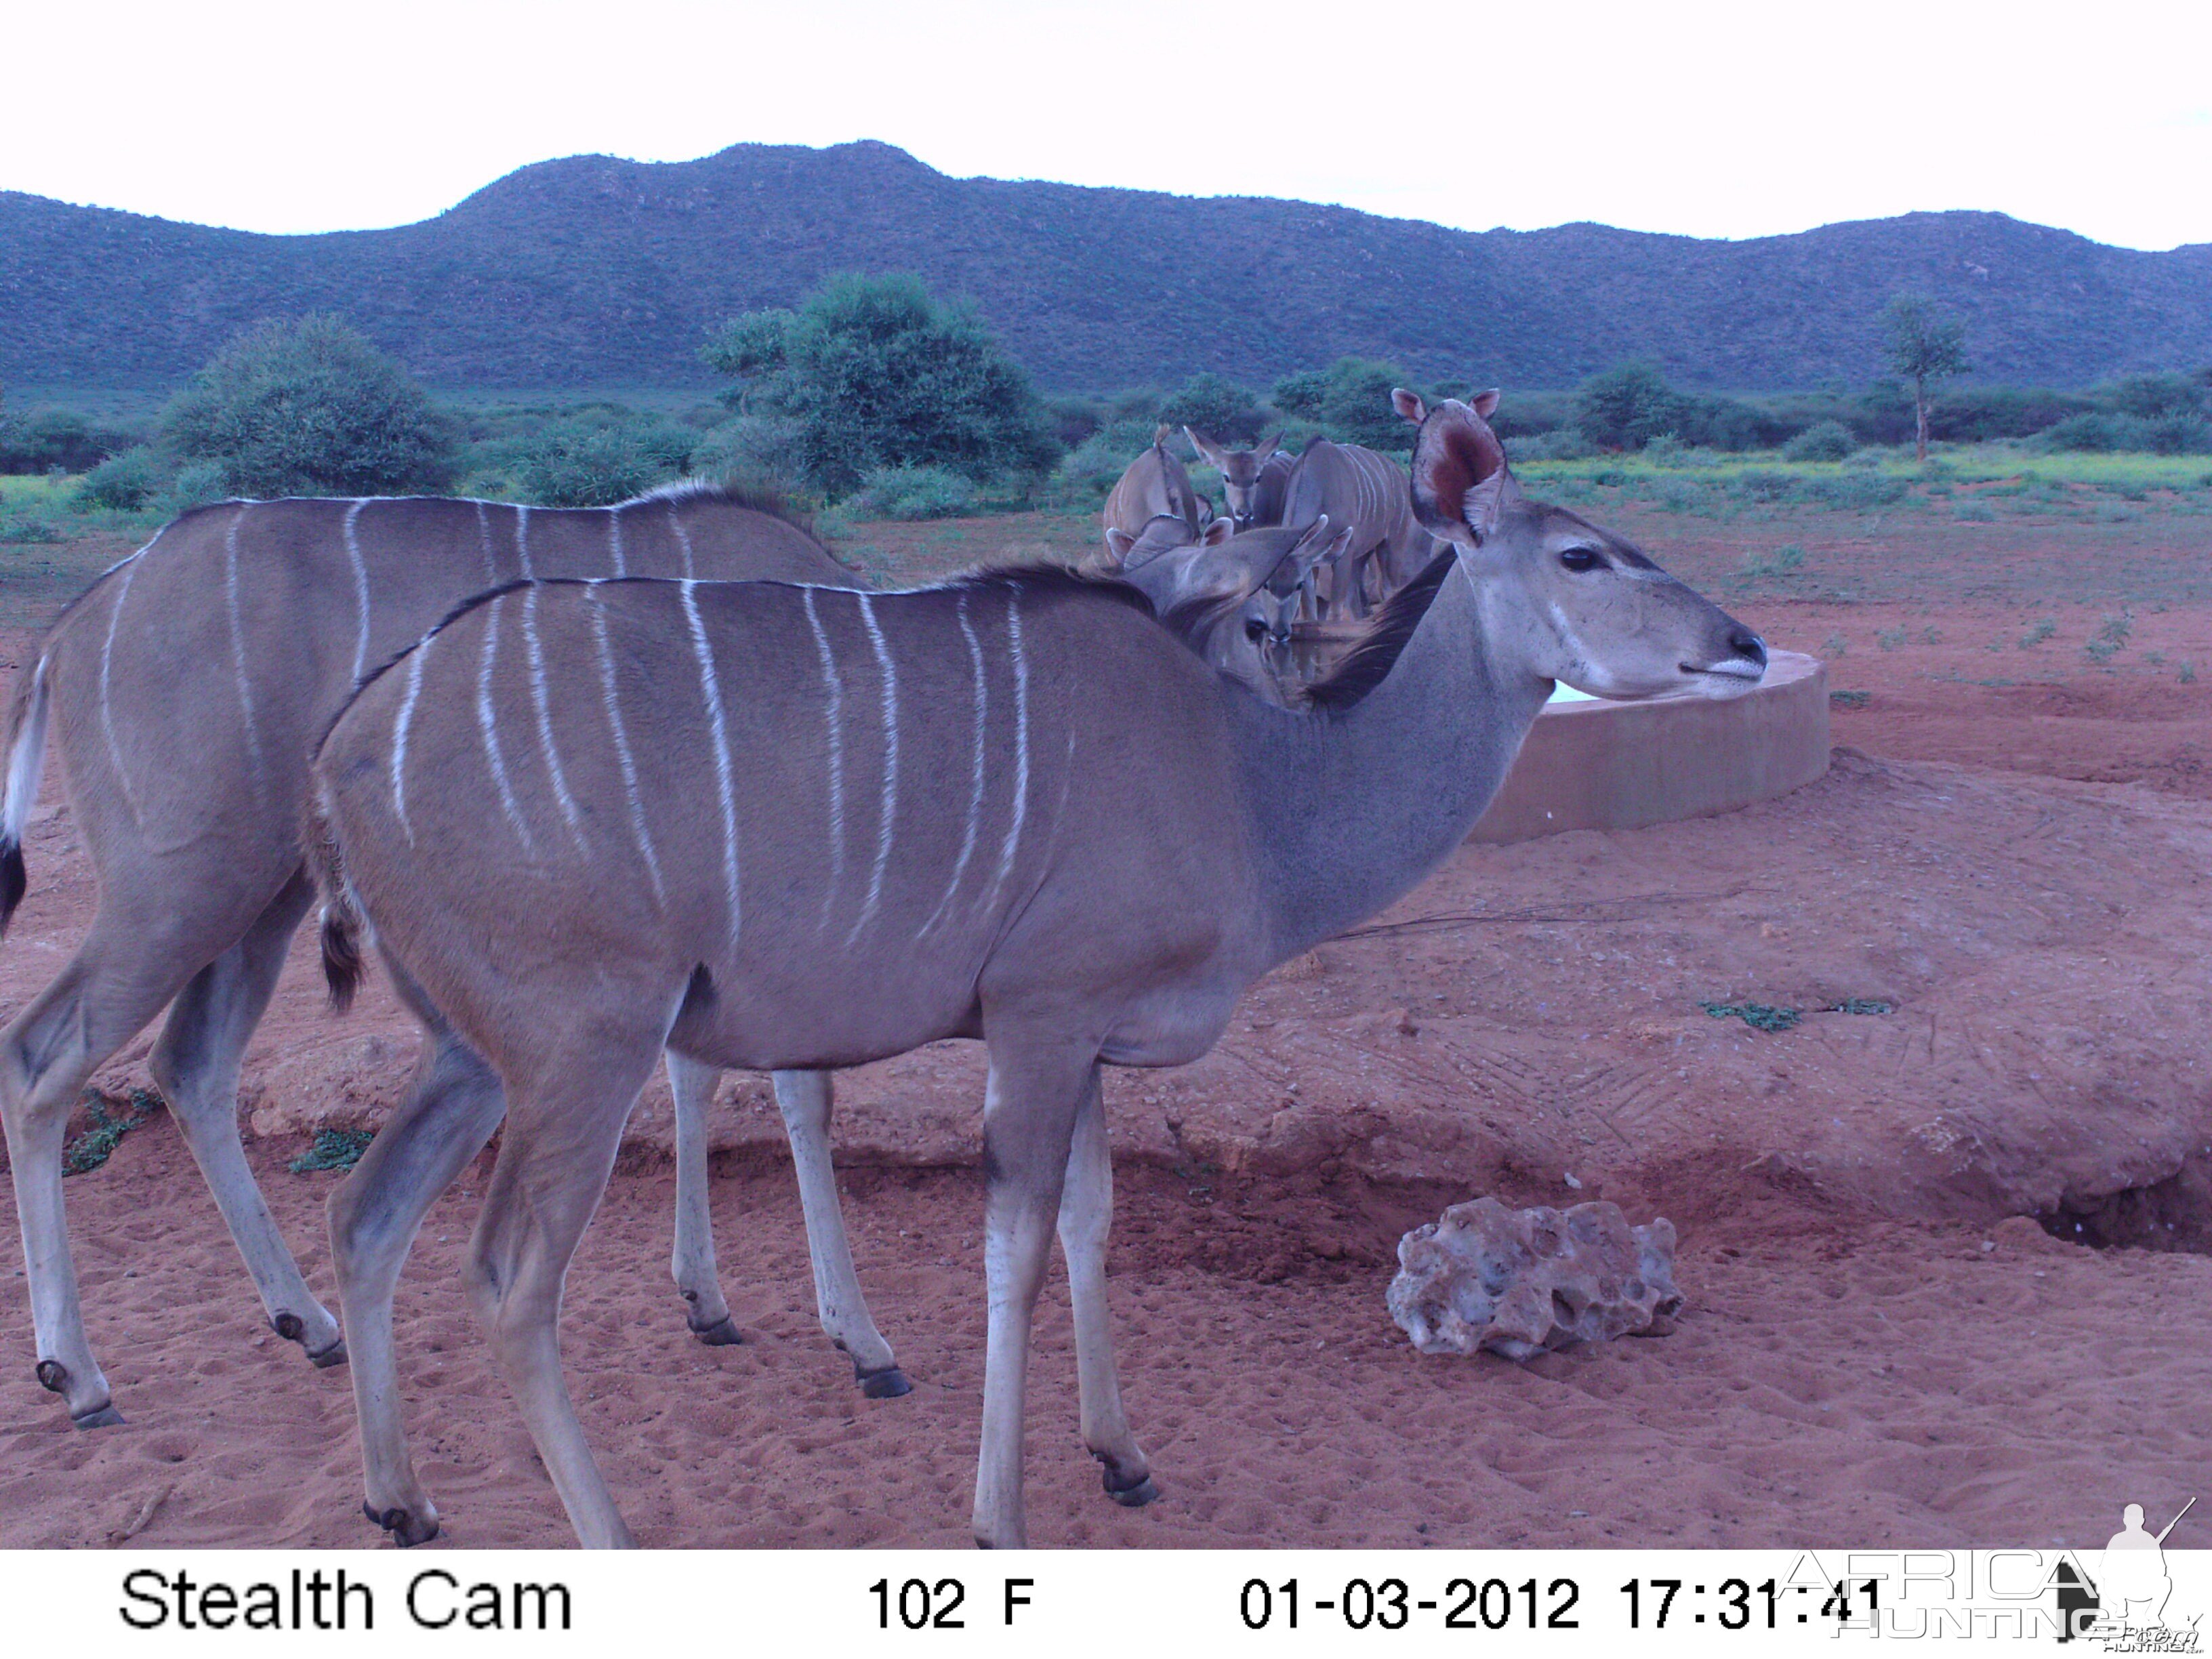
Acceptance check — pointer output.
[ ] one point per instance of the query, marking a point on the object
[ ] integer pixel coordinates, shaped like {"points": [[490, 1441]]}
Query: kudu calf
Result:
{"points": [[785, 826], [1155, 485], [1365, 492], [186, 689], [1253, 481]]}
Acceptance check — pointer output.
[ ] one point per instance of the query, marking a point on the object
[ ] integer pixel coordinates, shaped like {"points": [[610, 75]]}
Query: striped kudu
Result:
{"points": [[1365, 491], [1253, 481], [1154, 485], [1232, 598], [1037, 820], [186, 689]]}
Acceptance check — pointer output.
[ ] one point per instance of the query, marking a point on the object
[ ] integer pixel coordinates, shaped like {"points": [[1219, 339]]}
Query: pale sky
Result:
{"points": [[1697, 117]]}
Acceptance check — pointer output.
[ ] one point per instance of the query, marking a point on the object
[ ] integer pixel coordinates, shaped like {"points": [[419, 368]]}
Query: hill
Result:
{"points": [[595, 272]]}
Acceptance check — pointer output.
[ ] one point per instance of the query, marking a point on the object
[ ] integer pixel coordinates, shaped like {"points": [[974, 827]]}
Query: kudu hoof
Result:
{"points": [[53, 1377], [289, 1326], [406, 1529], [718, 1333], [333, 1356], [106, 1417], [887, 1383], [1129, 1494]]}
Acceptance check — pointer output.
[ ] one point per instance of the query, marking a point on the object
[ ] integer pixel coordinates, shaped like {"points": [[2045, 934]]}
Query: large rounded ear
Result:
{"points": [[1485, 404], [1460, 477], [1266, 446], [1118, 543], [1317, 546], [1208, 451], [1217, 531], [1409, 405]]}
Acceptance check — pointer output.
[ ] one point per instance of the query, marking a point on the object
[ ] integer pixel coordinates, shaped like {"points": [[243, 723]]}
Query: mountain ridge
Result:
{"points": [[593, 271]]}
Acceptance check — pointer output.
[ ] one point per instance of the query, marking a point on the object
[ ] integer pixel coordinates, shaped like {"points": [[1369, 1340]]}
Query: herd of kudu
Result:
{"points": [[599, 785]]}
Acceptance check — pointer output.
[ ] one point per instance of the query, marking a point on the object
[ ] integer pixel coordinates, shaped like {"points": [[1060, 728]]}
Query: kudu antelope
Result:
{"points": [[1253, 481], [1155, 485], [1365, 492], [1232, 598], [186, 689], [1039, 821]]}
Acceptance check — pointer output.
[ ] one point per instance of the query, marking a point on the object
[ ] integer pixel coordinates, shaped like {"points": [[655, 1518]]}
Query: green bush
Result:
{"points": [[879, 373], [1854, 490], [581, 463], [1349, 401], [1087, 473], [307, 406], [1225, 411], [124, 482], [763, 448], [1560, 444], [913, 492], [29, 529], [2178, 433], [1625, 408], [1830, 441], [193, 486], [58, 441]]}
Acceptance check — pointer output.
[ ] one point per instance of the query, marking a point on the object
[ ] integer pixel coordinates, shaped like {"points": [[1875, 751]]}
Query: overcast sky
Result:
{"points": [[1691, 116]]}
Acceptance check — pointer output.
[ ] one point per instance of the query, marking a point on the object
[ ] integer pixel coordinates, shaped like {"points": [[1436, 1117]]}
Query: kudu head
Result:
{"points": [[1571, 601], [1232, 598], [1239, 470]]}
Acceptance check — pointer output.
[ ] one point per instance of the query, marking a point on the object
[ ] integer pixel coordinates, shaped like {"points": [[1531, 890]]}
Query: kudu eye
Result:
{"points": [[1580, 559], [1256, 629]]}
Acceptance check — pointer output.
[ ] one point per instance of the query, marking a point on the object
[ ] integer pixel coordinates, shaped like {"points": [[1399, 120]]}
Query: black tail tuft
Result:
{"points": [[340, 955], [13, 882]]}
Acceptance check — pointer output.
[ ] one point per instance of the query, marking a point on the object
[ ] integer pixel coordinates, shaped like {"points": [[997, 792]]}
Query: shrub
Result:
{"points": [[1852, 490], [124, 482], [578, 463], [193, 486], [879, 373], [1350, 401], [1561, 444], [1976, 414], [306, 405], [765, 448], [1625, 408], [1831, 441], [58, 441], [913, 492], [2152, 396], [1087, 473], [1219, 408], [29, 528], [2166, 435]]}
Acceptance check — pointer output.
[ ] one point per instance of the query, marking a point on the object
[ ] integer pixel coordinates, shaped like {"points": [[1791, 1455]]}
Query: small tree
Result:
{"points": [[1350, 400], [878, 373], [305, 405], [1627, 407], [1926, 348], [1217, 407]]}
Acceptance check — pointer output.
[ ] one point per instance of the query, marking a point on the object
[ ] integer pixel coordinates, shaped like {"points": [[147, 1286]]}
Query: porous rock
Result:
{"points": [[1517, 1282]]}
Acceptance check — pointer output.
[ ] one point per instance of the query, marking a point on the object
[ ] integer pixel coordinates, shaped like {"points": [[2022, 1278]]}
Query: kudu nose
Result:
{"points": [[1748, 645]]}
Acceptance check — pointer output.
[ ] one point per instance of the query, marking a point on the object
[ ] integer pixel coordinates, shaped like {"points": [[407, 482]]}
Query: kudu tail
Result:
{"points": [[342, 925], [25, 746]]}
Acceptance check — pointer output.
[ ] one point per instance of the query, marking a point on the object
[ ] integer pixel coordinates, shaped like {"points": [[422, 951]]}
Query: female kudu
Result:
{"points": [[690, 848]]}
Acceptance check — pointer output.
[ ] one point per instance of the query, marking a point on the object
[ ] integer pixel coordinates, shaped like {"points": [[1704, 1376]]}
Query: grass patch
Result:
{"points": [[334, 1149], [97, 1144], [1851, 699], [2035, 636], [1757, 1015]]}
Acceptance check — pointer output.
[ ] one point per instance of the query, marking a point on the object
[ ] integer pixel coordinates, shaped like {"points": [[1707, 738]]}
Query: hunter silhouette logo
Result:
{"points": [[2123, 1606]]}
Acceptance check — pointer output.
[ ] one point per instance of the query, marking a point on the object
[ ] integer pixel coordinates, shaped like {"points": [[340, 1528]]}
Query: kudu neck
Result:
{"points": [[1351, 809]]}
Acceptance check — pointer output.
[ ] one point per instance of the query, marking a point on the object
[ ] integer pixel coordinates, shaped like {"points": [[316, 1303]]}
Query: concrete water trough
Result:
{"points": [[1594, 765]]}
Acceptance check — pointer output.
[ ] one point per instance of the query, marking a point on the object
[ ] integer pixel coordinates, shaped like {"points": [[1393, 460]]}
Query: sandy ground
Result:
{"points": [[1880, 1346]]}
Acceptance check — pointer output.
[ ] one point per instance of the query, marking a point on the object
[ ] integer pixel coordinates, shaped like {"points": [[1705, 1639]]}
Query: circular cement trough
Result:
{"points": [[1594, 765]]}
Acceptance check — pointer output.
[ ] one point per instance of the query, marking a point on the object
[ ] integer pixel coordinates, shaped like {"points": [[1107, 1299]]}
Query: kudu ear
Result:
{"points": [[1268, 444], [1217, 531], [1208, 451], [1118, 543], [1460, 477], [1317, 546], [1409, 405], [1485, 404]]}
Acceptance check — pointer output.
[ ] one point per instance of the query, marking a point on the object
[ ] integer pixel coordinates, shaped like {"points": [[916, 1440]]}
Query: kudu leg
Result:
{"points": [[1086, 1212], [375, 1215], [117, 981], [1030, 1111], [195, 1065], [563, 1126], [805, 1099], [692, 1084]]}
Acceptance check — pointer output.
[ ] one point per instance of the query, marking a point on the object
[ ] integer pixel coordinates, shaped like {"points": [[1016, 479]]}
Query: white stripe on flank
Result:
{"points": [[490, 735], [399, 725], [538, 694], [1021, 740], [483, 536], [106, 713], [238, 647], [360, 590], [683, 539], [621, 746], [710, 688], [890, 765], [975, 782], [522, 541], [614, 541], [836, 751], [20, 790]]}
